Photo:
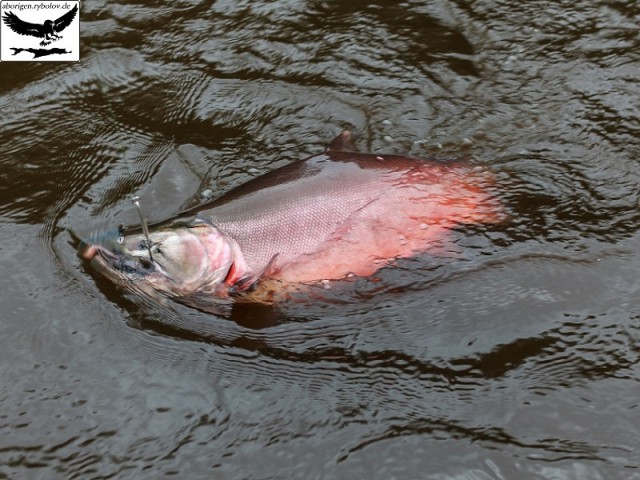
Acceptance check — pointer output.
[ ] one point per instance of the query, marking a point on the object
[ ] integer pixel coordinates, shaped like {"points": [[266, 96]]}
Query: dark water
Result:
{"points": [[517, 358]]}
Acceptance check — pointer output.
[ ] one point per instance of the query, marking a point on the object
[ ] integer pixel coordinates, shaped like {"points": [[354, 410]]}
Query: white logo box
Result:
{"points": [[39, 30]]}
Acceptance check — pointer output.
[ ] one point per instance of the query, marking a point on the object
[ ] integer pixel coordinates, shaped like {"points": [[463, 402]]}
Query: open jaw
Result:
{"points": [[132, 273], [106, 261]]}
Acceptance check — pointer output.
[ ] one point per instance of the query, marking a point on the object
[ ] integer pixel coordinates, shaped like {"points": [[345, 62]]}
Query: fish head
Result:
{"points": [[181, 260]]}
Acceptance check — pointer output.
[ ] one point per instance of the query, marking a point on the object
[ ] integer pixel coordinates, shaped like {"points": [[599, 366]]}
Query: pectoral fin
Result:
{"points": [[247, 283]]}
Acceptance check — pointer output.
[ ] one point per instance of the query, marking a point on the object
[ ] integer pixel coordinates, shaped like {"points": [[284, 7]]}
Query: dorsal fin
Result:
{"points": [[342, 143]]}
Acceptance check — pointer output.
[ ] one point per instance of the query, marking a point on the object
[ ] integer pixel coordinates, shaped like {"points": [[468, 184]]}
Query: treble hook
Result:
{"points": [[145, 230]]}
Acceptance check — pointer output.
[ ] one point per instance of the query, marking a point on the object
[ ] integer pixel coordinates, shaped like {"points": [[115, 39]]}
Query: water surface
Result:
{"points": [[517, 357]]}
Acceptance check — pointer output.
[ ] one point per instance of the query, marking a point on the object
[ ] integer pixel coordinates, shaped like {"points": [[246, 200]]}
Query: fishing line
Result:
{"points": [[135, 199]]}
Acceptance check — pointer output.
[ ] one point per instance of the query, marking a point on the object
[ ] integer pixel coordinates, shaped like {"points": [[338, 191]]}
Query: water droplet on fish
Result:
{"points": [[423, 226], [379, 158], [386, 122], [387, 138], [467, 141], [207, 193], [326, 284]]}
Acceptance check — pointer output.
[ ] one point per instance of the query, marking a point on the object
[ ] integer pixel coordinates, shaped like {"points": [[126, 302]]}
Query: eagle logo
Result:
{"points": [[49, 30]]}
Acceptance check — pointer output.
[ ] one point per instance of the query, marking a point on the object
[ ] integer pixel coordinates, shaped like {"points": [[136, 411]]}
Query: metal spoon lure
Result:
{"points": [[145, 229]]}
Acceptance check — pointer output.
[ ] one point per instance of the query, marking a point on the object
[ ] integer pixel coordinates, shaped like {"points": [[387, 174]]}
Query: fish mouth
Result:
{"points": [[108, 262]]}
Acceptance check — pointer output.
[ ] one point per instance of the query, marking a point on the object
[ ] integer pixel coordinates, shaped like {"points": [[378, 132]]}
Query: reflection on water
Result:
{"points": [[515, 358]]}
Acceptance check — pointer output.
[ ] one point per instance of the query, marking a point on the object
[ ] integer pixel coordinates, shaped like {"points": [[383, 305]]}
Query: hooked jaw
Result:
{"points": [[117, 265]]}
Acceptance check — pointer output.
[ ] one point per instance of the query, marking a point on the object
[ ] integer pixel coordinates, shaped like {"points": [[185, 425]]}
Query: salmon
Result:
{"points": [[327, 217]]}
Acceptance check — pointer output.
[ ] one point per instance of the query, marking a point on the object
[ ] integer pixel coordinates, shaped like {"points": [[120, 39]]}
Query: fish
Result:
{"points": [[330, 216]]}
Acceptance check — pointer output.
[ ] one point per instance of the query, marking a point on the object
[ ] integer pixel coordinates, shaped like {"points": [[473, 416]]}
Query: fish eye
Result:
{"points": [[145, 262], [121, 239]]}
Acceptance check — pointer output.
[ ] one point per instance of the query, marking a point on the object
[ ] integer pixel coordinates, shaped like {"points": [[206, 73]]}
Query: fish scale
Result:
{"points": [[338, 214], [293, 219]]}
